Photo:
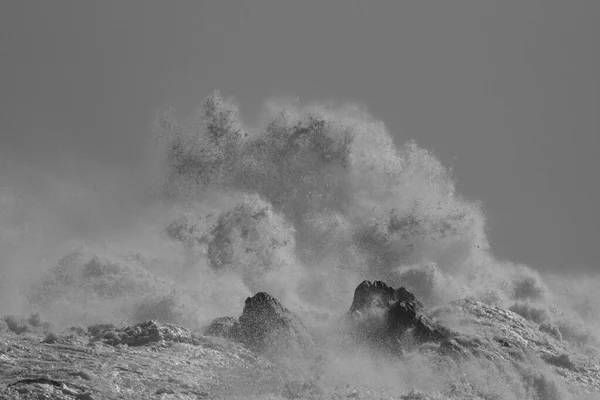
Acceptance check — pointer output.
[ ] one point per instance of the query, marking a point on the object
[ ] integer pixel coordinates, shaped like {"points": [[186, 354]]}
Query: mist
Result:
{"points": [[117, 208], [304, 205]]}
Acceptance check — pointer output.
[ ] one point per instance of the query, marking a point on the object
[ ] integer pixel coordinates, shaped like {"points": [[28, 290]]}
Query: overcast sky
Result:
{"points": [[507, 93]]}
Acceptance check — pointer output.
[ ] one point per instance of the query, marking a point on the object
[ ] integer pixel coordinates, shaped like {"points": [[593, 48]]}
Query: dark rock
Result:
{"points": [[227, 327], [401, 313], [267, 326], [405, 315], [378, 294], [41, 380]]}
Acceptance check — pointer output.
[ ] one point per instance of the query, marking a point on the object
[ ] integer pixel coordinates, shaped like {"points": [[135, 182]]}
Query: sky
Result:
{"points": [[505, 93]]}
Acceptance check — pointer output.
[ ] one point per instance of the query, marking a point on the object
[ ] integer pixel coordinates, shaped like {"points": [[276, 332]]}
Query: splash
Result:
{"points": [[352, 206], [304, 207]]}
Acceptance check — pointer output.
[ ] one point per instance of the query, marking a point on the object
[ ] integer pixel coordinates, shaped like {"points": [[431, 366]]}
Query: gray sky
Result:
{"points": [[505, 92]]}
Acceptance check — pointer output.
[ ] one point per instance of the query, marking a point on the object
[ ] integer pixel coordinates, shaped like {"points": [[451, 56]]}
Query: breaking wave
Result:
{"points": [[304, 207]]}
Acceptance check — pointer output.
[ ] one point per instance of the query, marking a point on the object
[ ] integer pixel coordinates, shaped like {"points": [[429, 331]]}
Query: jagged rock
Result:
{"points": [[489, 345], [405, 315], [227, 327], [378, 294], [401, 313], [267, 326], [140, 334]]}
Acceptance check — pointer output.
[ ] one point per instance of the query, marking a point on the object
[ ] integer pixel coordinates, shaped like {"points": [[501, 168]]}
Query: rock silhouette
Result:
{"points": [[378, 294], [386, 314], [95, 362], [266, 325]]}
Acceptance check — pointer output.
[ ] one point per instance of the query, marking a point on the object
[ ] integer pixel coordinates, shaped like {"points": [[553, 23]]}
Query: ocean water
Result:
{"points": [[305, 206]]}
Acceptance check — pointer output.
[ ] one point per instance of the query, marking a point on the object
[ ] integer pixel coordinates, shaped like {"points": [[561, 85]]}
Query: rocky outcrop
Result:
{"points": [[397, 312], [487, 344], [140, 334], [266, 325], [76, 368], [378, 294], [408, 315]]}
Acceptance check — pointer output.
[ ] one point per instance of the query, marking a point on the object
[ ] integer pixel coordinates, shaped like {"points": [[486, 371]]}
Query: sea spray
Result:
{"points": [[304, 207]]}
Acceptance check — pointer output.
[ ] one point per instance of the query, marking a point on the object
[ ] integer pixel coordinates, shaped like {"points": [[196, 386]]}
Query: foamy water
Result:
{"points": [[304, 207]]}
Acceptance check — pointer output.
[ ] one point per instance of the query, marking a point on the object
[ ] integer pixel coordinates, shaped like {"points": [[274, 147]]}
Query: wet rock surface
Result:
{"points": [[140, 334], [401, 313], [155, 360], [378, 294], [496, 333], [85, 368], [267, 325]]}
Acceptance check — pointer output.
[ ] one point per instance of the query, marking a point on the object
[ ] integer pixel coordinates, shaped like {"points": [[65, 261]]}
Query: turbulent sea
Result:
{"points": [[305, 206]]}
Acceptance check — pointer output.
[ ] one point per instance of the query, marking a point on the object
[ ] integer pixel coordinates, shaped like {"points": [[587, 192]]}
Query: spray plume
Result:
{"points": [[303, 207]]}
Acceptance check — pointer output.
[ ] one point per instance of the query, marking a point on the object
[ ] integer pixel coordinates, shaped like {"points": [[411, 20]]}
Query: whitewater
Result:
{"points": [[304, 206]]}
